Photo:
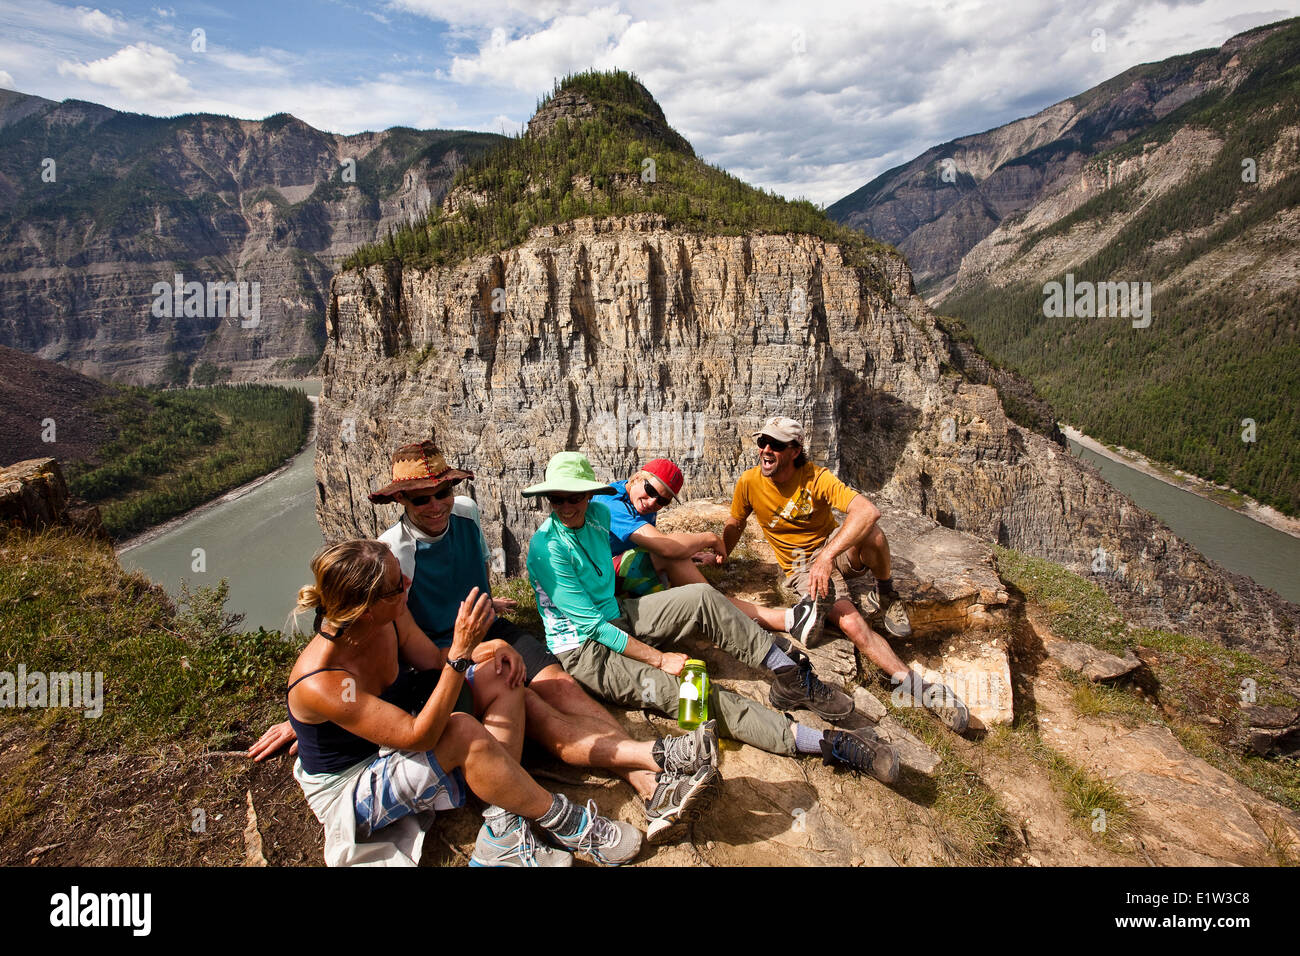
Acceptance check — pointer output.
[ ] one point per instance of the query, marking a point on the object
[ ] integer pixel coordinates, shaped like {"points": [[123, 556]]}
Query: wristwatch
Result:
{"points": [[460, 665]]}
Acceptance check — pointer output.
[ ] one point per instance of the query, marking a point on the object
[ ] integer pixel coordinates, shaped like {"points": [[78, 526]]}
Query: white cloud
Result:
{"points": [[139, 71], [98, 22], [6, 80], [242, 63], [530, 62]]}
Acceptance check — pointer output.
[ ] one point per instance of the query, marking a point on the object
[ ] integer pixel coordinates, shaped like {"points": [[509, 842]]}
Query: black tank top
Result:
{"points": [[328, 748]]}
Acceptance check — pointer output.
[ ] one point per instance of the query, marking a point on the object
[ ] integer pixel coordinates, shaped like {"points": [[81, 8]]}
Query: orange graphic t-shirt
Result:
{"points": [[795, 515]]}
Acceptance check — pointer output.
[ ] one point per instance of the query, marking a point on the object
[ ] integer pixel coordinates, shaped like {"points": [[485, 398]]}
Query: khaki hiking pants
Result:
{"points": [[661, 620]]}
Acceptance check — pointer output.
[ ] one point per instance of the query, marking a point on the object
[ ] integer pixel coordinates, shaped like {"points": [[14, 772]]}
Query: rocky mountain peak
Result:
{"points": [[616, 99]]}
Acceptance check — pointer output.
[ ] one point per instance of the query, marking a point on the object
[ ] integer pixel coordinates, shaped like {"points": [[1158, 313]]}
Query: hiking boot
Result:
{"points": [[861, 750], [506, 839], [943, 702], [678, 801], [797, 686], [891, 609], [603, 841], [687, 753], [807, 626]]}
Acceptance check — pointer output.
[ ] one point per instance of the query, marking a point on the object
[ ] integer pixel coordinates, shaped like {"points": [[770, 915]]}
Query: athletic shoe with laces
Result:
{"points": [[603, 841], [807, 626], [687, 753], [797, 686], [506, 839], [861, 750], [942, 701], [894, 614], [678, 801]]}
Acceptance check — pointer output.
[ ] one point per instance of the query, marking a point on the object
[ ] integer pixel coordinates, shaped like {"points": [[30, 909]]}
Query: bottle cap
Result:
{"points": [[694, 660]]}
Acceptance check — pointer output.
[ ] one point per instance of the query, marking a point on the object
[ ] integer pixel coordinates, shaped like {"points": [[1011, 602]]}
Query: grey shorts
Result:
{"points": [[847, 582]]}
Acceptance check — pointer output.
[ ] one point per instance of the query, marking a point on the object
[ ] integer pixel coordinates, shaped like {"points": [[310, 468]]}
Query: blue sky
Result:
{"points": [[808, 99]]}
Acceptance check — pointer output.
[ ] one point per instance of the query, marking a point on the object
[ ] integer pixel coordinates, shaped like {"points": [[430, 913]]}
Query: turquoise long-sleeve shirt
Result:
{"points": [[572, 573]]}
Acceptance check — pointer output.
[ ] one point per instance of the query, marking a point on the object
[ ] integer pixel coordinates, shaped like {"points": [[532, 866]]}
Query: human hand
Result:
{"points": [[672, 663], [502, 605], [508, 661], [819, 578], [472, 622], [271, 741]]}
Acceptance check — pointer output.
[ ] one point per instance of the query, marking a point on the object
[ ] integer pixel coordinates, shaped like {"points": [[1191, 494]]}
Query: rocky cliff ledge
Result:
{"points": [[626, 339]]}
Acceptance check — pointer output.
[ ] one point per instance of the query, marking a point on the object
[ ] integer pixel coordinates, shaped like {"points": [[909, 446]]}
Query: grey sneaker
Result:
{"points": [[861, 750], [797, 686], [603, 841], [687, 753], [942, 701], [678, 801], [506, 839], [894, 614], [807, 626]]}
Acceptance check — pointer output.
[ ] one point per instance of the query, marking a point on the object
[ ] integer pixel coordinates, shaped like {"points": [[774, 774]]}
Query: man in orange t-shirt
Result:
{"points": [[827, 563]]}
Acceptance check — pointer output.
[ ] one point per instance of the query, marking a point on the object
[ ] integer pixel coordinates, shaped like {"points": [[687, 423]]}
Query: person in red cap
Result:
{"points": [[647, 559]]}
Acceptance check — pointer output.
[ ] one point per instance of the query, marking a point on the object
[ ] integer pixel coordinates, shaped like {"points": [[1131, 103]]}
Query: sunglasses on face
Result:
{"points": [[662, 500], [442, 494], [765, 441], [400, 589], [566, 499]]}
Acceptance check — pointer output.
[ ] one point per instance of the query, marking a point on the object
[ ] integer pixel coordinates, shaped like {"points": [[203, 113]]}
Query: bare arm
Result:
{"points": [[731, 534], [860, 519], [328, 696], [670, 663], [677, 545]]}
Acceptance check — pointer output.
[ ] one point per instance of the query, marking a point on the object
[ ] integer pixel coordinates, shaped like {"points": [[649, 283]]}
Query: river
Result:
{"points": [[262, 540], [1235, 541]]}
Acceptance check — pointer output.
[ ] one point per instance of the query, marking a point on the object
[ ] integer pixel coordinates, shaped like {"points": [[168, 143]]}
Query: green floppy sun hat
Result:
{"points": [[568, 472]]}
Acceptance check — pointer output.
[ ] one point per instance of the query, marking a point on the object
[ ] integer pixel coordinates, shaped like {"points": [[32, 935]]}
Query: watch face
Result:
{"points": [[461, 665]]}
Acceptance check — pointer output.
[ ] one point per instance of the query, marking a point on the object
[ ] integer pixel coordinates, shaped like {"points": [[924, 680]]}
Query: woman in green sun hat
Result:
{"points": [[613, 649]]}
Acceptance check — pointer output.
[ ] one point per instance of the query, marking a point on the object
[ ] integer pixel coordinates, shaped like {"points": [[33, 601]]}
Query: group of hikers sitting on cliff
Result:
{"points": [[412, 688]]}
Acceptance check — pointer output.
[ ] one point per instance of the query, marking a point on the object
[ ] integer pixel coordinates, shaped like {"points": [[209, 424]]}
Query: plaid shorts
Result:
{"points": [[398, 783]]}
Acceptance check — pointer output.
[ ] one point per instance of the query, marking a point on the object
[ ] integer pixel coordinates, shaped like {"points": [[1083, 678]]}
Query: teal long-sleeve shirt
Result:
{"points": [[572, 573]]}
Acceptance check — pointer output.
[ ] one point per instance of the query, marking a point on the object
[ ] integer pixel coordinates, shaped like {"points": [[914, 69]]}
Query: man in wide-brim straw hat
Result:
{"points": [[614, 649], [440, 547]]}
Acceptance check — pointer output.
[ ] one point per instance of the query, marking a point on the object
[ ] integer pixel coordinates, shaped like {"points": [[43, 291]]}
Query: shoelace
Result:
{"points": [[812, 683], [599, 832], [526, 848]]}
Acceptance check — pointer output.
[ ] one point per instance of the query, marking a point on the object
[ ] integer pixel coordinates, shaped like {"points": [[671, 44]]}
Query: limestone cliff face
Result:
{"points": [[627, 340]]}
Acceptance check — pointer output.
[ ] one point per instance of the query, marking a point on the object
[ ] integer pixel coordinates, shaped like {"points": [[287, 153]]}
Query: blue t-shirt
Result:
{"points": [[445, 571], [624, 519]]}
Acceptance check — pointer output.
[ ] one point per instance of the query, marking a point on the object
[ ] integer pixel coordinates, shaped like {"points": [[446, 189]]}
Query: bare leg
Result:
{"points": [[848, 619], [872, 550], [564, 719], [682, 571], [489, 770], [500, 709]]}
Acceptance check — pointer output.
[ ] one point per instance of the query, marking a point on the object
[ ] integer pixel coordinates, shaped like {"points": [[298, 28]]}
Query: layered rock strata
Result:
{"points": [[628, 340]]}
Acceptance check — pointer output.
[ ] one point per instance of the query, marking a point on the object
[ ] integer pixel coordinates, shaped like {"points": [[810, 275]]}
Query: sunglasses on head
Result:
{"points": [[566, 499], [766, 441], [441, 494], [662, 500]]}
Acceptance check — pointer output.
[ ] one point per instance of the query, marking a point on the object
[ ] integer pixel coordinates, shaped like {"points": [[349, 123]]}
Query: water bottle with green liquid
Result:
{"points": [[693, 695]]}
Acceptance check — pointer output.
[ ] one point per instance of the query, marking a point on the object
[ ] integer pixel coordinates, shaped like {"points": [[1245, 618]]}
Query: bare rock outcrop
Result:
{"points": [[33, 496], [627, 340]]}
